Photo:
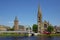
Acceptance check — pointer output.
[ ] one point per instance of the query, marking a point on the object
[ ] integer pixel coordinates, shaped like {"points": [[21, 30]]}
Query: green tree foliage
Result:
{"points": [[11, 29], [35, 28], [50, 28], [28, 28]]}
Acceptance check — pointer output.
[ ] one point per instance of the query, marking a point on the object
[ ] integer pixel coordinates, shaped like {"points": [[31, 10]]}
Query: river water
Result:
{"points": [[30, 38]]}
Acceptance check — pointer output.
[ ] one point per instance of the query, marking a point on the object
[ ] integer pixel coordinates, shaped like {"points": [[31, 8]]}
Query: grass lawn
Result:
{"points": [[21, 34], [12, 34], [49, 35]]}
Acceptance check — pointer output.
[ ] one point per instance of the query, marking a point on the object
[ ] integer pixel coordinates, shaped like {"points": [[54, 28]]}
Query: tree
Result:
{"points": [[11, 29], [35, 28], [50, 28], [28, 28]]}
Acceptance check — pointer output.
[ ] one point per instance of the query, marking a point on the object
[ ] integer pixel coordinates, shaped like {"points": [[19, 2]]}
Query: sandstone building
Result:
{"points": [[4, 28], [18, 27]]}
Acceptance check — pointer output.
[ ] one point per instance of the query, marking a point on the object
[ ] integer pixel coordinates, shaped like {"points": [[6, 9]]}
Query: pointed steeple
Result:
{"points": [[39, 13], [39, 9], [39, 20]]}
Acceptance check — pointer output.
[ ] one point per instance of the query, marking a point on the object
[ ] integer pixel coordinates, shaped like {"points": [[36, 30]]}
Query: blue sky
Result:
{"points": [[26, 11]]}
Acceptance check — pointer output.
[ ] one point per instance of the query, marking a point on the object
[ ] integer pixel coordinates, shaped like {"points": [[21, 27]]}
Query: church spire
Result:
{"points": [[39, 20], [38, 7], [39, 14]]}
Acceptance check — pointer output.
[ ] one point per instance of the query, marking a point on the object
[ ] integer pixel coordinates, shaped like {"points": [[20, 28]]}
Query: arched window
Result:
{"points": [[45, 25]]}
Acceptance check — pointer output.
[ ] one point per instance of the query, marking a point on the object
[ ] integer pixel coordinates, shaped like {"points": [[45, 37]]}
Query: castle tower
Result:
{"points": [[39, 20], [16, 27]]}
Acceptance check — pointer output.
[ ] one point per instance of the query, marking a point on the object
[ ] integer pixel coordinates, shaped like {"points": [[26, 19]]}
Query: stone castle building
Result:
{"points": [[18, 27], [16, 23], [42, 26]]}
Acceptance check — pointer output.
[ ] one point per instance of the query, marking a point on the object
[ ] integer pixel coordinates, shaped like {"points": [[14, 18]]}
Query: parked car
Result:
{"points": [[46, 32]]}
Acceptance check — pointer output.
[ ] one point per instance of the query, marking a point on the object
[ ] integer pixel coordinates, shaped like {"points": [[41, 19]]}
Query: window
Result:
{"points": [[45, 25]]}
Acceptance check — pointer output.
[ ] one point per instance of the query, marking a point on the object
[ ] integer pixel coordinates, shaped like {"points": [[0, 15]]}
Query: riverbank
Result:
{"points": [[21, 34], [13, 34], [49, 35]]}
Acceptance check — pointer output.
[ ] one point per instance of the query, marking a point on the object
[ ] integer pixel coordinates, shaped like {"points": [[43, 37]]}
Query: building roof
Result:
{"points": [[57, 27], [4, 26], [21, 27]]}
